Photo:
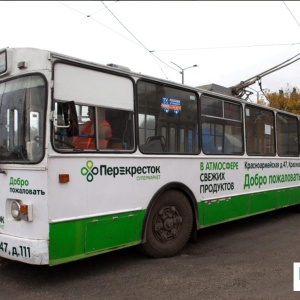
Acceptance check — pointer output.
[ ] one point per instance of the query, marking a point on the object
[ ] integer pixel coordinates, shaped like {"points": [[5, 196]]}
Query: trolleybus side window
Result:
{"points": [[167, 118], [222, 127], [260, 133], [287, 135], [105, 95]]}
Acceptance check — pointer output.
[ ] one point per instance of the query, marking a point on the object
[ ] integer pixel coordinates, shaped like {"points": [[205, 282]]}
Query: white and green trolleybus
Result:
{"points": [[177, 159]]}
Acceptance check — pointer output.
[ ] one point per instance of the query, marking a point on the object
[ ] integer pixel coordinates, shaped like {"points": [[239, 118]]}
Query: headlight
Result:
{"points": [[16, 210], [20, 210]]}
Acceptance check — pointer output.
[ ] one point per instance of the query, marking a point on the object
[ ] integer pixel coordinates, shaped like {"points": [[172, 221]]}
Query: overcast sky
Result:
{"points": [[230, 41]]}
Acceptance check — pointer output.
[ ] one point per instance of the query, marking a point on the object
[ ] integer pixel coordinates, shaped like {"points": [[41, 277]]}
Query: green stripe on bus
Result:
{"points": [[77, 239], [237, 207]]}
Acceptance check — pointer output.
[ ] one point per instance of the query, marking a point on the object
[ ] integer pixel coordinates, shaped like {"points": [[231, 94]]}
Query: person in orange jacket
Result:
{"points": [[86, 139]]}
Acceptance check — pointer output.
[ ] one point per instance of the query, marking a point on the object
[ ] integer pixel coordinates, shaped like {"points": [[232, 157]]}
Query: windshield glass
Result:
{"points": [[22, 111]]}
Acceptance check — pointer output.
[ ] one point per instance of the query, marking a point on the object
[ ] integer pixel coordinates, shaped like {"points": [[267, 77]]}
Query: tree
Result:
{"points": [[284, 100]]}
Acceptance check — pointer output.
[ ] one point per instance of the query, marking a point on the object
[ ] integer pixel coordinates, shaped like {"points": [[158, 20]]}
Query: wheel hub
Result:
{"points": [[167, 223]]}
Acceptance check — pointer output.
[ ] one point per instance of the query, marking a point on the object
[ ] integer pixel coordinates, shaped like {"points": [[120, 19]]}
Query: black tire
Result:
{"points": [[169, 225], [296, 208]]}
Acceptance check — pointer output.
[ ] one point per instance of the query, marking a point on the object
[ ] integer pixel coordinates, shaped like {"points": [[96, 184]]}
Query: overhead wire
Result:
{"points": [[101, 9], [291, 13], [138, 40], [178, 49], [89, 16], [125, 26], [223, 47], [172, 50], [139, 43], [71, 8]]}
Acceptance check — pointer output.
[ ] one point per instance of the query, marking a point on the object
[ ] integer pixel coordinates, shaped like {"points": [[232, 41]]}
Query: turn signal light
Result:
{"points": [[64, 178], [24, 209]]}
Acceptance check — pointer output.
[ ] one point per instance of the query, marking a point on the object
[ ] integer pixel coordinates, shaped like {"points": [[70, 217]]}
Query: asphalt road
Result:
{"points": [[246, 259]]}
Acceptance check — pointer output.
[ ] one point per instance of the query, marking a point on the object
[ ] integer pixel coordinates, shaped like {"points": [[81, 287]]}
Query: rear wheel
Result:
{"points": [[169, 225]]}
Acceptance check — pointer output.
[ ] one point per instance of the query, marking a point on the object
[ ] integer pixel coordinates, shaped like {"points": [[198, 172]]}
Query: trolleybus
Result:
{"points": [[173, 159]]}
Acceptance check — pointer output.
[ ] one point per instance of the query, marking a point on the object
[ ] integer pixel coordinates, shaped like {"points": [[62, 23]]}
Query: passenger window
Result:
{"points": [[222, 127], [260, 131], [287, 135], [98, 128], [168, 119]]}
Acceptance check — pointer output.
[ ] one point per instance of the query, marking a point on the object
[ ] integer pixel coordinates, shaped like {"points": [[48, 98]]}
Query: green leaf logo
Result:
{"points": [[87, 171]]}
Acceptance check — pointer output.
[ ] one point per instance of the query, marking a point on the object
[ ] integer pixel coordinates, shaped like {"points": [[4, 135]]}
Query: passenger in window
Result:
{"points": [[86, 139]]}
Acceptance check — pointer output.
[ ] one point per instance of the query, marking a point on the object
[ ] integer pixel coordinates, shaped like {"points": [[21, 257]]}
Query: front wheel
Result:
{"points": [[169, 225]]}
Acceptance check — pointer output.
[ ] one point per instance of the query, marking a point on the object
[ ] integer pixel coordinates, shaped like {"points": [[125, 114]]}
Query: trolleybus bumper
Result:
{"points": [[29, 251]]}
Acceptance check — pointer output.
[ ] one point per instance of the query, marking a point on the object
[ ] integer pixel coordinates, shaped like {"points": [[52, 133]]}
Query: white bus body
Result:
{"points": [[151, 185]]}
